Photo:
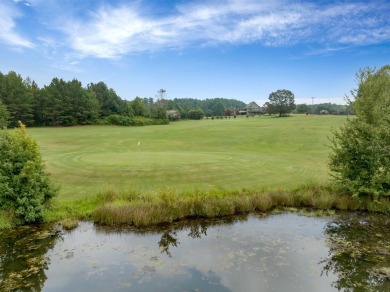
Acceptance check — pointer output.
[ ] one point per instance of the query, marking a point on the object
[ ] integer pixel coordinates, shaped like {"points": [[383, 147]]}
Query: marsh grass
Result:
{"points": [[69, 223], [114, 207], [168, 205]]}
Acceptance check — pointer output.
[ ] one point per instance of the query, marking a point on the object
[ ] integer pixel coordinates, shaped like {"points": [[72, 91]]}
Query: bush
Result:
{"points": [[25, 187], [113, 119], [141, 121], [125, 121], [197, 114], [360, 159], [360, 155], [173, 115]]}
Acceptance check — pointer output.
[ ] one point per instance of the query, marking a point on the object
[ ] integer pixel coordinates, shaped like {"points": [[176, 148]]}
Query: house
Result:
{"points": [[251, 109]]}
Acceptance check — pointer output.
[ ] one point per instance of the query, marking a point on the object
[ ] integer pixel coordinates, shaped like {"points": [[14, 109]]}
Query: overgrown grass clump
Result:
{"points": [[168, 205]]}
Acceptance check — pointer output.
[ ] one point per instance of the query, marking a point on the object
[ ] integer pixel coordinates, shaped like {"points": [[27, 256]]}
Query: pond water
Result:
{"points": [[284, 252]]}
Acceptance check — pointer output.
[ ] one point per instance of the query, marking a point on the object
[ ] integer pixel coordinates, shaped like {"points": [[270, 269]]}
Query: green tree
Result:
{"points": [[25, 187], [53, 102], [281, 102], [139, 108], [128, 111], [17, 98], [36, 99], [68, 103], [4, 116], [302, 108], [109, 102], [218, 109], [84, 105], [360, 156]]}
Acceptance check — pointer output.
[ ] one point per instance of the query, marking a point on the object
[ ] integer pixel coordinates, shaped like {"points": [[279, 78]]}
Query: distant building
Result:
{"points": [[251, 109]]}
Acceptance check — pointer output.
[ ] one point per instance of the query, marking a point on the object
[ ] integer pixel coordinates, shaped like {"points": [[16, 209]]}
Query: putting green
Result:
{"points": [[130, 159]]}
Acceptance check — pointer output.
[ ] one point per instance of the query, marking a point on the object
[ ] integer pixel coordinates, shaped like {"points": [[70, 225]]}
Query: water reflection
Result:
{"points": [[23, 257], [169, 237], [196, 228], [359, 252], [275, 253], [285, 252]]}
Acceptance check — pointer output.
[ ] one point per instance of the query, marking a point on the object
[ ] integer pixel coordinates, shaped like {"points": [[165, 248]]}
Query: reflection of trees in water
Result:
{"points": [[360, 252], [197, 229], [169, 238], [22, 257]]}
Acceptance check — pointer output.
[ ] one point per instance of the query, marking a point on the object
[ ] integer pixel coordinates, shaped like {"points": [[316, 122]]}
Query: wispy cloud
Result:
{"points": [[111, 31], [8, 33]]}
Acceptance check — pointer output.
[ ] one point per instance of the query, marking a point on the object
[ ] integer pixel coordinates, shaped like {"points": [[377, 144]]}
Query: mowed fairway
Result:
{"points": [[254, 153]]}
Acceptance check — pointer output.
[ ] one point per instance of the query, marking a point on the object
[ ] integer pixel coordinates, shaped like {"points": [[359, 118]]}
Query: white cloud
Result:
{"points": [[8, 14], [113, 31]]}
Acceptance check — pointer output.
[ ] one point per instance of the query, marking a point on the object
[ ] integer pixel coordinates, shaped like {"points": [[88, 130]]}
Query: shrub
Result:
{"points": [[141, 121], [125, 121], [197, 114], [360, 159], [113, 119], [173, 115], [25, 187], [119, 120]]}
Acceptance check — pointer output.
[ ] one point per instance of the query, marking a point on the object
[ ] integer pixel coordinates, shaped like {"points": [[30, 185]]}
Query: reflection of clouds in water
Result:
{"points": [[277, 253], [272, 254]]}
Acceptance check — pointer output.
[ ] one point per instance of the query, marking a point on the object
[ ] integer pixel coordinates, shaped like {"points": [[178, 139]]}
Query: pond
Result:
{"points": [[256, 252]]}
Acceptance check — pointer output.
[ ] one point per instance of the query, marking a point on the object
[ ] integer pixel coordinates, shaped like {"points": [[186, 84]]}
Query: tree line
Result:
{"points": [[68, 103], [325, 108]]}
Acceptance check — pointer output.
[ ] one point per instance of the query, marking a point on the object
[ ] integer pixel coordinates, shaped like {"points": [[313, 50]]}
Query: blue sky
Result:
{"points": [[242, 49]]}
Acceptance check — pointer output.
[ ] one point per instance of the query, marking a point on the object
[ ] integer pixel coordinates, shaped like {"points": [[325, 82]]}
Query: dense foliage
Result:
{"points": [[331, 108], [360, 158], [4, 116], [210, 107], [281, 102], [25, 187]]}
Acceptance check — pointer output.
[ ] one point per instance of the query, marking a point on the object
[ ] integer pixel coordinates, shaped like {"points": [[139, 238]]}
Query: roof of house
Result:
{"points": [[252, 106]]}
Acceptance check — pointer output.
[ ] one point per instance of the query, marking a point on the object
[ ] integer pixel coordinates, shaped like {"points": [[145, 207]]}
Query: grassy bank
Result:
{"points": [[112, 208], [153, 208]]}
